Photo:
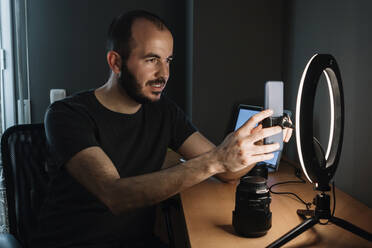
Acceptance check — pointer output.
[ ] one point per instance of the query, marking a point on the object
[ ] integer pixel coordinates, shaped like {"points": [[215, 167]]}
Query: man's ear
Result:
{"points": [[114, 61]]}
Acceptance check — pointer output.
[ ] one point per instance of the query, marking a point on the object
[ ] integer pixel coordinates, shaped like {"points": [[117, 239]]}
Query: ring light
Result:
{"points": [[319, 167]]}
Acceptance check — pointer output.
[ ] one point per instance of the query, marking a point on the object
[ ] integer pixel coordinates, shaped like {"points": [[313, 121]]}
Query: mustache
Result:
{"points": [[157, 81]]}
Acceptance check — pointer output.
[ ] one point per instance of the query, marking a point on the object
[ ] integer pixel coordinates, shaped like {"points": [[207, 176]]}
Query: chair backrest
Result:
{"points": [[24, 157]]}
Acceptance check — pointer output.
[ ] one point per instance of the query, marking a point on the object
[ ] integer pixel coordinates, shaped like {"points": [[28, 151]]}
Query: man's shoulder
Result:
{"points": [[77, 108], [82, 99]]}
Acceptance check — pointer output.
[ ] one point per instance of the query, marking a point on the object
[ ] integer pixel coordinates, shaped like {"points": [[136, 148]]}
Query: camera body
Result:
{"points": [[252, 215]]}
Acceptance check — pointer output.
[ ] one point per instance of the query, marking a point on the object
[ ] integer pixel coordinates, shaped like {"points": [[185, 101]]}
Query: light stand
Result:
{"points": [[318, 166], [321, 212]]}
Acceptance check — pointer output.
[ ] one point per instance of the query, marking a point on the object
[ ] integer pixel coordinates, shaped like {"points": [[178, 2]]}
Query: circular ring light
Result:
{"points": [[319, 166]]}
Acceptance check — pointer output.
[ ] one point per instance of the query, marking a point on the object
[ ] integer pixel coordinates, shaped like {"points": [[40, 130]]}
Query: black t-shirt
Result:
{"points": [[135, 143]]}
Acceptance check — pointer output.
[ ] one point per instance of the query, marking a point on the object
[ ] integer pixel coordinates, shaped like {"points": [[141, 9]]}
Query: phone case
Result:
{"points": [[274, 101]]}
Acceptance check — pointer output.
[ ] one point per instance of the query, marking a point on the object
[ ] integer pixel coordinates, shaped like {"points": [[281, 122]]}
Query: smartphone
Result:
{"points": [[274, 101]]}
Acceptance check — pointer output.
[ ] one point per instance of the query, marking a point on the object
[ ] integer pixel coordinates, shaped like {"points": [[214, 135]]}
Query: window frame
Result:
{"points": [[8, 103]]}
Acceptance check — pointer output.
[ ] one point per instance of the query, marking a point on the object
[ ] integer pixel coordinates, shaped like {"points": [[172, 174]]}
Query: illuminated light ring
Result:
{"points": [[313, 169], [332, 121]]}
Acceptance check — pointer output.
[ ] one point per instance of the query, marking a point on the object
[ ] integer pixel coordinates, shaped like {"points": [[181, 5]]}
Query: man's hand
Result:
{"points": [[240, 148], [287, 133]]}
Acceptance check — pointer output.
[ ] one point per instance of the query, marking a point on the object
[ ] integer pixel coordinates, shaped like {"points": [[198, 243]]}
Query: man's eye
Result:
{"points": [[152, 60]]}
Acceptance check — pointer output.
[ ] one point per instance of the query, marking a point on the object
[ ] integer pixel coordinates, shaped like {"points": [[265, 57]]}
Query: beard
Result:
{"points": [[131, 86]]}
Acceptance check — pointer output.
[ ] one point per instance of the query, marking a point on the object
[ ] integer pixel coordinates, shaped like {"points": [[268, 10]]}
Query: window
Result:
{"points": [[7, 92]]}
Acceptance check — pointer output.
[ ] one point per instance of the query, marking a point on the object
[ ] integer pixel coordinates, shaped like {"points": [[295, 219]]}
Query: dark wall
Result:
{"points": [[67, 45], [238, 45], [237, 48], [340, 28]]}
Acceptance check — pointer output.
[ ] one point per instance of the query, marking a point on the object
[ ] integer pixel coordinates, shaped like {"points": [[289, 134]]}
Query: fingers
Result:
{"points": [[256, 129], [264, 133], [253, 121], [262, 149], [244, 146], [258, 153], [287, 133]]}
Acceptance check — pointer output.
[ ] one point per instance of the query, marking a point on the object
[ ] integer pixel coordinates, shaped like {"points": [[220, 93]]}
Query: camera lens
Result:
{"points": [[252, 216]]}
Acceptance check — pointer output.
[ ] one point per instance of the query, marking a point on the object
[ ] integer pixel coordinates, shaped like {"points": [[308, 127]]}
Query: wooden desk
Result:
{"points": [[208, 210]]}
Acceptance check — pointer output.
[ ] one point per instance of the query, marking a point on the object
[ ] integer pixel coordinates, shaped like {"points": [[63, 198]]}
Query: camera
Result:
{"points": [[252, 215]]}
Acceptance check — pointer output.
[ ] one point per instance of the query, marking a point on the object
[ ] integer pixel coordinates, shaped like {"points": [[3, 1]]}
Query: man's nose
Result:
{"points": [[163, 70]]}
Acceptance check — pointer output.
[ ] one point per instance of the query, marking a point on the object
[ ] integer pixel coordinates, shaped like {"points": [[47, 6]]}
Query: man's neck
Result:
{"points": [[114, 98]]}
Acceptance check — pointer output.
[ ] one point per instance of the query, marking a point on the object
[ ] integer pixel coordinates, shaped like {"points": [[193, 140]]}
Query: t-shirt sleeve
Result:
{"points": [[182, 127], [68, 130]]}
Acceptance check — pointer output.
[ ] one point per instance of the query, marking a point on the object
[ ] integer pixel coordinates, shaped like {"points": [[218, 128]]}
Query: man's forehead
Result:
{"points": [[147, 36], [142, 27]]}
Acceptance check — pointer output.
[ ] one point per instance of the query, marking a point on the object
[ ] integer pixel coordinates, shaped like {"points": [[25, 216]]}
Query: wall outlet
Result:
{"points": [[57, 94]]}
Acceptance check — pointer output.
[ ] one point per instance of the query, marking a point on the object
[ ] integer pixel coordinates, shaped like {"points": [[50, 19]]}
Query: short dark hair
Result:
{"points": [[120, 31]]}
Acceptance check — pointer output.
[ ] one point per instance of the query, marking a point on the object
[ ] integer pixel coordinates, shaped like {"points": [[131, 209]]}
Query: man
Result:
{"points": [[109, 145]]}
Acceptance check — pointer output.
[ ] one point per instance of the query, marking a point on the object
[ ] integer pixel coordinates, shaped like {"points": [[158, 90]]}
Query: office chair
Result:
{"points": [[24, 157]]}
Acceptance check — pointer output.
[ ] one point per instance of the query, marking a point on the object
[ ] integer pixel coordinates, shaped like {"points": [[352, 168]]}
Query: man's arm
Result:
{"points": [[96, 172], [197, 145]]}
